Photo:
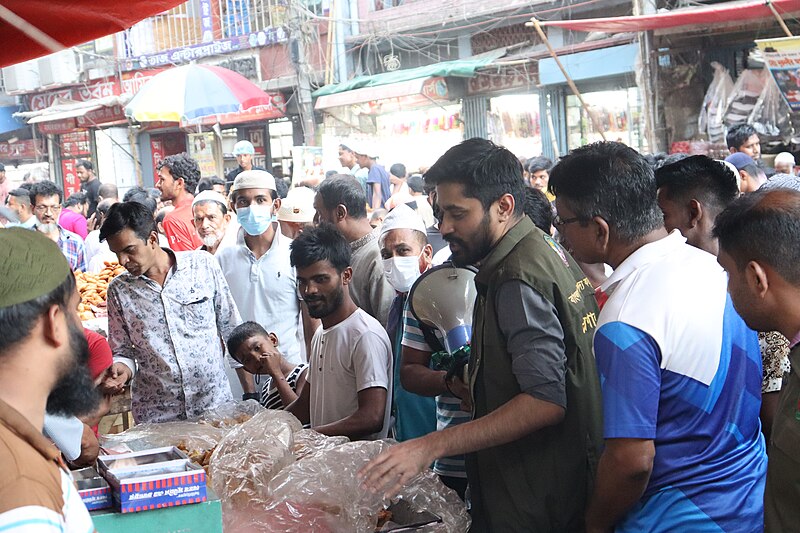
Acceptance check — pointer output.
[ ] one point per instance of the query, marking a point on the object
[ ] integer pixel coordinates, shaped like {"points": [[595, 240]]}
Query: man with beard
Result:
{"points": [[211, 219], [532, 384], [350, 363], [90, 183], [167, 318], [46, 202], [43, 356]]}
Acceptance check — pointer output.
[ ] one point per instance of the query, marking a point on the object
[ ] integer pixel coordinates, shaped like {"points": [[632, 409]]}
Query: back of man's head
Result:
{"points": [[76, 198], [398, 170], [612, 181], [763, 226], [34, 276], [486, 171], [345, 190], [21, 195], [701, 178], [128, 215], [44, 189], [108, 191], [321, 243], [738, 135], [538, 208]]}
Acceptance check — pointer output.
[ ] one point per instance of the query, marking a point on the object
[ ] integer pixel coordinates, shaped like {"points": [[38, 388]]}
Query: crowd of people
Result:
{"points": [[632, 367]]}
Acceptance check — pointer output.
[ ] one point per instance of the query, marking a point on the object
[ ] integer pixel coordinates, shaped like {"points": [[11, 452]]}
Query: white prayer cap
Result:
{"points": [[210, 195], [298, 206], [253, 179], [402, 217]]}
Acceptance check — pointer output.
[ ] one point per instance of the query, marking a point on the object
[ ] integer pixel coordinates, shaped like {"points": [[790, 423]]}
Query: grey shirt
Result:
{"points": [[369, 288], [535, 340]]}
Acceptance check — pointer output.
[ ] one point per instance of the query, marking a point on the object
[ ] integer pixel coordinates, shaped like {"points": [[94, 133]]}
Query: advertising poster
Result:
{"points": [[782, 58], [308, 165], [202, 148]]}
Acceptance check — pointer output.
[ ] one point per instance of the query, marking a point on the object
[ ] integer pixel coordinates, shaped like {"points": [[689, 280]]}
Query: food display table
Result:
{"points": [[205, 517]]}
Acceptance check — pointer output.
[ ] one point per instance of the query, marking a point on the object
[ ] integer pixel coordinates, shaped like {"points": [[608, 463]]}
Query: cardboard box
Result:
{"points": [[153, 479], [93, 489]]}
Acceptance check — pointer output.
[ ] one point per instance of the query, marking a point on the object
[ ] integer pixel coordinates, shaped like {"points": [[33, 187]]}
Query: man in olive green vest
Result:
{"points": [[759, 238], [533, 386]]}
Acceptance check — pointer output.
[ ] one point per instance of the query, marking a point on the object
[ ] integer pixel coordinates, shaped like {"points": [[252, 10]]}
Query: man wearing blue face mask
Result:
{"points": [[406, 254], [259, 271]]}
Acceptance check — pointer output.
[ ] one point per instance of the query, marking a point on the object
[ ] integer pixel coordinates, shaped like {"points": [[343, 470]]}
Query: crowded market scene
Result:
{"points": [[367, 266]]}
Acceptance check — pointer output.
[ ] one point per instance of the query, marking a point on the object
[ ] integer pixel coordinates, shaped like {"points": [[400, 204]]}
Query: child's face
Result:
{"points": [[252, 351]]}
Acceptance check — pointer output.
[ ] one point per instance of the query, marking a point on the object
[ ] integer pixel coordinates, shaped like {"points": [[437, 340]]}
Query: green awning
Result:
{"points": [[461, 68]]}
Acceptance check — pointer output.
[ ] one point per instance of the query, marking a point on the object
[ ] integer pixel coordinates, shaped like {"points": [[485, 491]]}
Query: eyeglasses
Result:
{"points": [[558, 221], [46, 208]]}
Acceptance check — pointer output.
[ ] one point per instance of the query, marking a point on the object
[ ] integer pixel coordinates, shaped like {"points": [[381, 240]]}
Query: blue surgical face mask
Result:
{"points": [[254, 219]]}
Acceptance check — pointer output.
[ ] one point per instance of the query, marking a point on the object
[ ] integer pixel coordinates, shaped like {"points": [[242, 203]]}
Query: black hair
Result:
{"points": [[699, 177], [486, 171], [330, 173], [738, 135], [344, 189], [240, 335], [535, 164], [281, 187], [538, 209], [76, 198], [161, 214], [108, 190], [321, 243], [128, 215], [85, 164], [23, 195], [398, 169], [141, 196], [46, 189], [204, 185], [612, 181], [346, 148], [2, 167], [752, 170], [763, 226], [416, 183], [17, 321], [182, 166]]}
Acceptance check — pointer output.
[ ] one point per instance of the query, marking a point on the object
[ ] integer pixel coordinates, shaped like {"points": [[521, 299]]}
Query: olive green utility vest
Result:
{"points": [[541, 482]]}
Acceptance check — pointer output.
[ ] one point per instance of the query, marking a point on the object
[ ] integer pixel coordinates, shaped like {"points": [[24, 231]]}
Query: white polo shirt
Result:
{"points": [[265, 290], [347, 358]]}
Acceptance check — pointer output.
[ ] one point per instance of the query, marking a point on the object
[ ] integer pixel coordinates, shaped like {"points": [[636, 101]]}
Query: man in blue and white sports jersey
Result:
{"points": [[680, 371]]}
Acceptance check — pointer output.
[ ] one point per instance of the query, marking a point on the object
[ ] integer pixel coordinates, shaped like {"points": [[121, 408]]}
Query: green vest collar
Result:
{"points": [[501, 250]]}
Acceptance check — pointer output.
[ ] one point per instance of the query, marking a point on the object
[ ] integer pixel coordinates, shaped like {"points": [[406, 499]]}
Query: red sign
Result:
{"points": [[508, 79], [56, 127], [72, 183], [104, 115], [91, 91], [74, 147], [157, 149], [22, 149], [133, 81], [256, 137]]}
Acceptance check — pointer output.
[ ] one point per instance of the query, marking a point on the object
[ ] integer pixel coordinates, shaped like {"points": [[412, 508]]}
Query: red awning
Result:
{"points": [[725, 12], [67, 23]]}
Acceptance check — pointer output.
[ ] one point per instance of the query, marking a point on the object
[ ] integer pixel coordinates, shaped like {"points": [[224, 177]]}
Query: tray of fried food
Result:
{"points": [[93, 289]]}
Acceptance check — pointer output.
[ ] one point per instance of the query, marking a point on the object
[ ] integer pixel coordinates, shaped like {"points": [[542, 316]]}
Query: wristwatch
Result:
{"points": [[250, 396]]}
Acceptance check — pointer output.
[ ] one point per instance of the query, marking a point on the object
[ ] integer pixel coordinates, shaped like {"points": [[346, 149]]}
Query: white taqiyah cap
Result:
{"points": [[298, 206], [253, 179], [209, 195], [402, 217]]}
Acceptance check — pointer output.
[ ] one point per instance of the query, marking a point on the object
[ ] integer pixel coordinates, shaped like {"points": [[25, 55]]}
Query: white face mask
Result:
{"points": [[401, 272]]}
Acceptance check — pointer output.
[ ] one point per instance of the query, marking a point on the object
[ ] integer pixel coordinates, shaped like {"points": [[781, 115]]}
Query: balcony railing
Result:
{"points": [[202, 21]]}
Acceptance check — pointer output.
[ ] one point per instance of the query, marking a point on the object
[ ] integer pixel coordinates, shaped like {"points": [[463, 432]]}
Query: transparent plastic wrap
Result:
{"points": [[250, 455], [183, 434], [232, 414], [714, 104], [308, 441], [746, 91], [321, 493], [771, 117]]}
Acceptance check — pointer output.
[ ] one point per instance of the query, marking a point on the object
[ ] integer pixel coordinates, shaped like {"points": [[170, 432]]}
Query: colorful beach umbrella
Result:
{"points": [[191, 92]]}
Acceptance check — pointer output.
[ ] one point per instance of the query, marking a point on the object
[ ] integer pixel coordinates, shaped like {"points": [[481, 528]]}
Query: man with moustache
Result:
{"points": [[348, 387], [46, 201], [43, 356], [532, 385], [211, 219], [167, 318]]}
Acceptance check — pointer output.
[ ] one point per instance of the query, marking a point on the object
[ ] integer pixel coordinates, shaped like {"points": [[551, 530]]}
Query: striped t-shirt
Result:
{"points": [[271, 397], [448, 407]]}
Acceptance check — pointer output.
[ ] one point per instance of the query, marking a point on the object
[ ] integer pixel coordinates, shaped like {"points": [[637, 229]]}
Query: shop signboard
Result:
{"points": [[307, 164], [202, 148], [782, 57], [256, 138], [74, 147], [157, 151], [27, 149], [506, 80]]}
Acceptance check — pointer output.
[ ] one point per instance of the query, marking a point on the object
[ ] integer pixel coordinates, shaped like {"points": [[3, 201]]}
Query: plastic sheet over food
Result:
{"points": [[714, 104], [771, 117], [308, 441], [232, 414], [250, 455]]}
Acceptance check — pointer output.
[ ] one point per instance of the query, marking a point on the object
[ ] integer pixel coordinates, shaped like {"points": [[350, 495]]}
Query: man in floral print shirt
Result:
{"points": [[167, 317]]}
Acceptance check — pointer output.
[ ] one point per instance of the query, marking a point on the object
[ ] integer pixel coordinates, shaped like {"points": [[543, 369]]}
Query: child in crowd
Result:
{"points": [[254, 348]]}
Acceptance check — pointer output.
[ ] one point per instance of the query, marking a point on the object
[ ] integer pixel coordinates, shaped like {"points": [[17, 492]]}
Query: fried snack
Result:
{"points": [[93, 288]]}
